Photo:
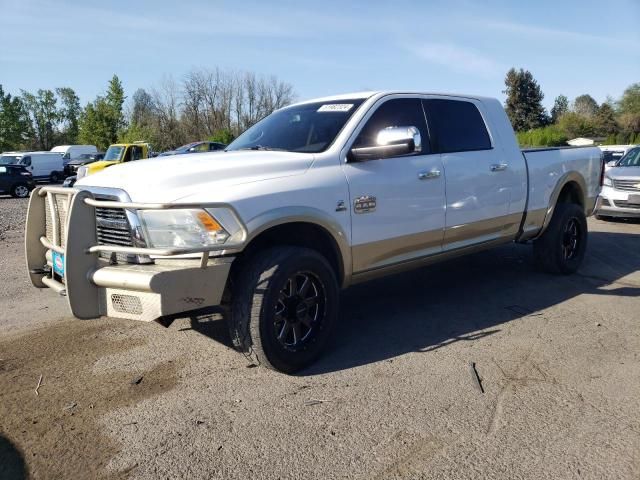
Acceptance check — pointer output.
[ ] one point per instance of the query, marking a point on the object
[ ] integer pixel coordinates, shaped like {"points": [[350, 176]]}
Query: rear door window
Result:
{"points": [[457, 126]]}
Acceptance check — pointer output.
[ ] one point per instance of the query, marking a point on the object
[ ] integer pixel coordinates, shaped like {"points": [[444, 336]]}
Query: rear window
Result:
{"points": [[457, 126]]}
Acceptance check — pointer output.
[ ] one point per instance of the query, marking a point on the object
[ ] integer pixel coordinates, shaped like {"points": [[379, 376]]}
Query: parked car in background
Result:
{"points": [[611, 154], [115, 154], [71, 167], [72, 152], [42, 165], [196, 147], [16, 180], [620, 196]]}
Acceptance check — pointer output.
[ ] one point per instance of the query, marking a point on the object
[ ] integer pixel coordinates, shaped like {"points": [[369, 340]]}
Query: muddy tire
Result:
{"points": [[562, 246], [283, 307]]}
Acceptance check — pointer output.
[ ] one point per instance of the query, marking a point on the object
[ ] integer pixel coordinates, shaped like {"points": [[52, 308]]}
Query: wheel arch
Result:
{"points": [[303, 227], [571, 188]]}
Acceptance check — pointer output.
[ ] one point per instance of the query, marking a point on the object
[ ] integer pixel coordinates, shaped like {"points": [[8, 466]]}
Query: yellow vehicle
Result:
{"points": [[117, 153]]}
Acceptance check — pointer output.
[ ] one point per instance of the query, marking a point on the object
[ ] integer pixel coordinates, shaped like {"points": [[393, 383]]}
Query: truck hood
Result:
{"points": [[624, 173], [167, 179]]}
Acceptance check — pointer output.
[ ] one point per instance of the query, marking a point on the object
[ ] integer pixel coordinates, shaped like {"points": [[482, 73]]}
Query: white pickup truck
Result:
{"points": [[315, 197]]}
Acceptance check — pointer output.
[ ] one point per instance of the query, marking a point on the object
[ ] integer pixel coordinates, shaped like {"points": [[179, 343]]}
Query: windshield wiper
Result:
{"points": [[263, 148]]}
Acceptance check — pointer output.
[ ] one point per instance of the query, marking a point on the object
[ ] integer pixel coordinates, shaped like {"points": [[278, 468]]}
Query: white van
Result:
{"points": [[73, 152], [42, 165]]}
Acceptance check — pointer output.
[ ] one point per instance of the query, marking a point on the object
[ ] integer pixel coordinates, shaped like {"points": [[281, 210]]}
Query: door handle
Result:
{"points": [[428, 175], [499, 167]]}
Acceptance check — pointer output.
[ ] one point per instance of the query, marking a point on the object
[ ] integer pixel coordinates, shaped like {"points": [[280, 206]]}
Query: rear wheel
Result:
{"points": [[20, 191], [284, 306], [562, 246]]}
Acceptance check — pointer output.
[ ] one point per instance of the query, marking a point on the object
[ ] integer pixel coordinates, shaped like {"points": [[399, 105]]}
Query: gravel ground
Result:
{"points": [[395, 396], [12, 213]]}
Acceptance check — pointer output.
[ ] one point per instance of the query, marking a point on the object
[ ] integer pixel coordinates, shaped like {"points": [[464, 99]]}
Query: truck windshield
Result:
{"points": [[310, 127], [113, 153], [9, 159], [631, 159]]}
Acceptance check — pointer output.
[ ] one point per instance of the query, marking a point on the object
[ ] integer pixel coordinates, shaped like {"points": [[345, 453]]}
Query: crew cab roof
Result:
{"points": [[379, 93]]}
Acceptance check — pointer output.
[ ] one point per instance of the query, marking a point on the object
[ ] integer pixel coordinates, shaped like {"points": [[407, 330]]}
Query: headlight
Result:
{"points": [[607, 181], [82, 172], [186, 228]]}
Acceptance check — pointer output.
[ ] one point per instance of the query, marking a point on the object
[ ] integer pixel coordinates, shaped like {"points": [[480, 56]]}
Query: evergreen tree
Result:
{"points": [[605, 120], [15, 127], [44, 114], [560, 107], [69, 114], [115, 101], [524, 100]]}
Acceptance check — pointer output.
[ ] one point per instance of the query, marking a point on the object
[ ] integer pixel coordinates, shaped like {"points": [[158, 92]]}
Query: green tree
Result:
{"points": [[549, 136], [102, 121], [605, 120], [44, 114], [524, 100], [115, 100], [560, 107], [15, 127], [223, 136], [69, 114], [585, 105], [630, 101], [575, 125]]}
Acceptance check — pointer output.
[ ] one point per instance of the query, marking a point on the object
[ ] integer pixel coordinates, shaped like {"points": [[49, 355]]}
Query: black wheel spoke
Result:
{"points": [[284, 331], [299, 308]]}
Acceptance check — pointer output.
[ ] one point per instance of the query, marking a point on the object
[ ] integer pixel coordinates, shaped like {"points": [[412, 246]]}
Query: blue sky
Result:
{"points": [[324, 47]]}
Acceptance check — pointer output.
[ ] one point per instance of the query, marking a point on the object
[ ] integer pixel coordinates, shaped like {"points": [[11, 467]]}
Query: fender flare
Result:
{"points": [[284, 215], [565, 179]]}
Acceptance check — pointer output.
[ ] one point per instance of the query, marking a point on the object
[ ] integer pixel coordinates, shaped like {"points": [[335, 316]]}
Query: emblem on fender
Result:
{"points": [[364, 204]]}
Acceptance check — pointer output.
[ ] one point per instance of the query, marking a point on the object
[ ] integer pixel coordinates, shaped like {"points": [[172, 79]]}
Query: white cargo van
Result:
{"points": [[73, 152], [42, 165]]}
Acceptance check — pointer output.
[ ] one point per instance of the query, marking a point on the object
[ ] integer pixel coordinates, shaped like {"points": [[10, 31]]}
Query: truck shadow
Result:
{"points": [[12, 464], [468, 298]]}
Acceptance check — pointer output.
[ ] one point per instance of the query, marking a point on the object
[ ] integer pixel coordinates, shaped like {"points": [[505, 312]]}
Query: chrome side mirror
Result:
{"points": [[391, 142], [612, 163]]}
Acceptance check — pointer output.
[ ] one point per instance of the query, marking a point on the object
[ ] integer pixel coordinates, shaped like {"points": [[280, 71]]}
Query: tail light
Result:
{"points": [[602, 164]]}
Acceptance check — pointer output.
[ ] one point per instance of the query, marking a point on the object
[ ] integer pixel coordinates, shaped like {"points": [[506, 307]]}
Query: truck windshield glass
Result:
{"points": [[9, 159], [113, 153], [631, 159], [309, 128]]}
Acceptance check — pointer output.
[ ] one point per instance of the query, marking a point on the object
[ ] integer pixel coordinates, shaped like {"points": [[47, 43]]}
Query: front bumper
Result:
{"points": [[93, 286], [616, 203]]}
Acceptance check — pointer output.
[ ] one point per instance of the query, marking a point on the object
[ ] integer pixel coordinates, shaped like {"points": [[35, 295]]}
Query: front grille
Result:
{"points": [[113, 228], [627, 185], [60, 207], [625, 204]]}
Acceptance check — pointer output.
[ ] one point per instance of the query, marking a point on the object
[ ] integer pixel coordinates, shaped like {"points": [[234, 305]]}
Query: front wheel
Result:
{"points": [[284, 306], [562, 246], [54, 177]]}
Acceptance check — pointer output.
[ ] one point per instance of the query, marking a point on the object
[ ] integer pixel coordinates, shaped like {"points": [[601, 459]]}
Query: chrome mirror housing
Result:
{"points": [[391, 142]]}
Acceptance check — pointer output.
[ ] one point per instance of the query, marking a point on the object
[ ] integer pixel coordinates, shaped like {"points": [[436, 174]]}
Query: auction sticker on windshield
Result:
{"points": [[336, 107], [58, 263]]}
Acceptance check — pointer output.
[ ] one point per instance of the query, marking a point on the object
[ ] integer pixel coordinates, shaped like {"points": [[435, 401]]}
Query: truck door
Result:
{"points": [[396, 203], [478, 180]]}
